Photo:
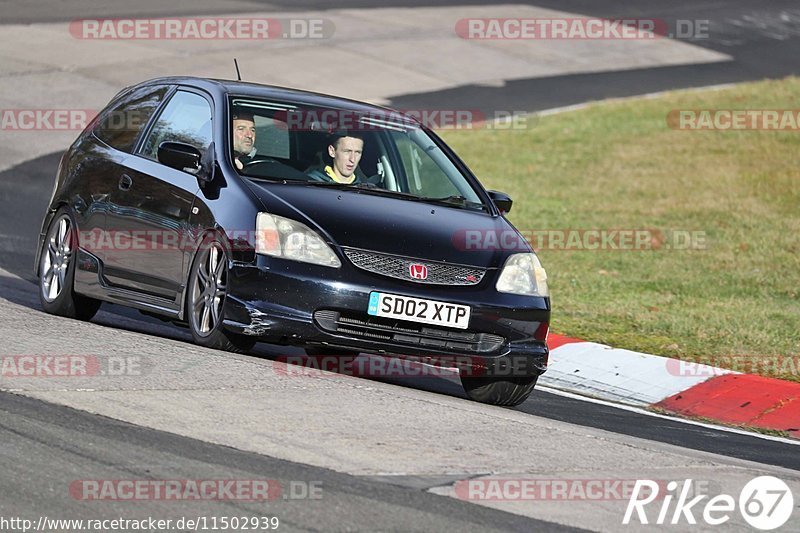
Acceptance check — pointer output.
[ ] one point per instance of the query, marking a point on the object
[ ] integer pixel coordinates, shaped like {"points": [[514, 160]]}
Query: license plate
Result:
{"points": [[418, 310]]}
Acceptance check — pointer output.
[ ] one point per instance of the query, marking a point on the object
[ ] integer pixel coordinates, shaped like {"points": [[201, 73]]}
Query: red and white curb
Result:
{"points": [[643, 380]]}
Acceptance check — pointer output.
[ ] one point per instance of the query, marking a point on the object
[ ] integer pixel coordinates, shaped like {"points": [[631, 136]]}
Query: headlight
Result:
{"points": [[287, 238], [523, 274]]}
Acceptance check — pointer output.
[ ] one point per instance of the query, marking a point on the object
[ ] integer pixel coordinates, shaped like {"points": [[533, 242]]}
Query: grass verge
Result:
{"points": [[719, 282]]}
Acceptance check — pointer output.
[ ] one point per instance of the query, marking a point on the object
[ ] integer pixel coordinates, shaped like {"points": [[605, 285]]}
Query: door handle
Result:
{"points": [[125, 182]]}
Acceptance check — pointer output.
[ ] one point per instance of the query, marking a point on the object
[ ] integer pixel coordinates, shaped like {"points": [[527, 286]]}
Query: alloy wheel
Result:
{"points": [[57, 256], [208, 291]]}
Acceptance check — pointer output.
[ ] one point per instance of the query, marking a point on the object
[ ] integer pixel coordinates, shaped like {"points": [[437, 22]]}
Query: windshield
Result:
{"points": [[378, 153]]}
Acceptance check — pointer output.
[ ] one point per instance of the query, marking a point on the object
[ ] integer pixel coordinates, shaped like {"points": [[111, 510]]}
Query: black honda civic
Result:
{"points": [[252, 213]]}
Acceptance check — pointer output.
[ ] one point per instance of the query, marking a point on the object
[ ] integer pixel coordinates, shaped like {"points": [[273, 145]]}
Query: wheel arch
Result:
{"points": [[202, 235], [46, 221]]}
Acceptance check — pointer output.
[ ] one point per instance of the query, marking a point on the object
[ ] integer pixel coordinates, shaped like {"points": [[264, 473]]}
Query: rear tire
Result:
{"points": [[57, 271], [495, 391], [205, 301]]}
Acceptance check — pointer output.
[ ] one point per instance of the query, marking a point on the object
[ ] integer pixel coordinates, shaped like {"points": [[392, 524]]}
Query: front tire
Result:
{"points": [[205, 302], [57, 271], [507, 392]]}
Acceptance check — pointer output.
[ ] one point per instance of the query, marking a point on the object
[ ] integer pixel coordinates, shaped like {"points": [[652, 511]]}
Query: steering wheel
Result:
{"points": [[256, 162]]}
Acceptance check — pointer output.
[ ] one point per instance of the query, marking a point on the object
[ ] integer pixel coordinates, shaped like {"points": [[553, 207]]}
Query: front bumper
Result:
{"points": [[287, 302]]}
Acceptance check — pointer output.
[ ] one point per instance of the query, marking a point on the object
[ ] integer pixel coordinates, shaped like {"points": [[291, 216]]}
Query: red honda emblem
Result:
{"points": [[418, 271]]}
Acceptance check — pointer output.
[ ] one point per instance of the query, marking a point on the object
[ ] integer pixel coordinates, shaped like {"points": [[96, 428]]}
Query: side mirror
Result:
{"points": [[501, 200], [180, 156]]}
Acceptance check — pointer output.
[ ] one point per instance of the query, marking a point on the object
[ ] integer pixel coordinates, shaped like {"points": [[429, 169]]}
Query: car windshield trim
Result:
{"points": [[409, 160], [261, 104]]}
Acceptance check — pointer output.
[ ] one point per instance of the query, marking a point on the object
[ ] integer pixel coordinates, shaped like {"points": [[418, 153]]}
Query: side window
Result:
{"points": [[120, 125], [425, 177], [185, 119]]}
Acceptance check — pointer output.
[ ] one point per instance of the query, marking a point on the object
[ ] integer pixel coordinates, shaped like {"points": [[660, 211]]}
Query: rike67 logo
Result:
{"points": [[765, 503]]}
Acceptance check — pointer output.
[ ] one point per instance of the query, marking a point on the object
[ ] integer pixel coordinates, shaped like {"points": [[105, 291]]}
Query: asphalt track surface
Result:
{"points": [[37, 433], [76, 445]]}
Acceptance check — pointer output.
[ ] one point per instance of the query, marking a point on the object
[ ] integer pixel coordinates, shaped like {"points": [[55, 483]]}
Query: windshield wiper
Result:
{"points": [[271, 179], [369, 188], [456, 200], [337, 185]]}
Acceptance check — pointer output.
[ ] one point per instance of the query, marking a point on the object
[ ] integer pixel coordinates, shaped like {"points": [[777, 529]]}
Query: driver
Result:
{"points": [[244, 138]]}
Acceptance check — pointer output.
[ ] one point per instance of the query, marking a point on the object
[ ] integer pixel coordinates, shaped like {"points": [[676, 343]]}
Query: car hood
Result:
{"points": [[359, 219]]}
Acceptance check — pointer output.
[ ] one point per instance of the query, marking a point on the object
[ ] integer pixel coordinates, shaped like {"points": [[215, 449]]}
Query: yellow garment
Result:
{"points": [[329, 171]]}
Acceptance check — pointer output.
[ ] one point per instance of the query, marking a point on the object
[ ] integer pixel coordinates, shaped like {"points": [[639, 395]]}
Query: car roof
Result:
{"points": [[256, 90]]}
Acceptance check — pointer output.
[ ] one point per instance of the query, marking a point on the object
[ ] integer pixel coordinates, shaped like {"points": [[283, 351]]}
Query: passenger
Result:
{"points": [[344, 152]]}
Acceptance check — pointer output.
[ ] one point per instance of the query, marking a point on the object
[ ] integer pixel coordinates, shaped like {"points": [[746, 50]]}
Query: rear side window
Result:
{"points": [[120, 125], [185, 119]]}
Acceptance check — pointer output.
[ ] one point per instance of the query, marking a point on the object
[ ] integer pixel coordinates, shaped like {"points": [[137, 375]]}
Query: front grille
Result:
{"points": [[366, 327], [400, 268]]}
